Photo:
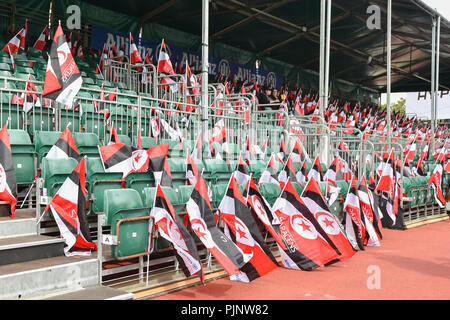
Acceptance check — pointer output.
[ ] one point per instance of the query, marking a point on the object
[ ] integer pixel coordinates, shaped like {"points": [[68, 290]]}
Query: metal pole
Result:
{"points": [[326, 153], [388, 71], [322, 84], [433, 82], [436, 99], [322, 57], [205, 34]]}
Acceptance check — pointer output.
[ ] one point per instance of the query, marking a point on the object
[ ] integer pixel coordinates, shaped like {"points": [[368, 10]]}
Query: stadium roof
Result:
{"points": [[289, 31]]}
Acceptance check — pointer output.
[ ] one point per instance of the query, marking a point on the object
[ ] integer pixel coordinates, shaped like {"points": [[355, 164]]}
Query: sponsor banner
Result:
{"points": [[101, 35]]}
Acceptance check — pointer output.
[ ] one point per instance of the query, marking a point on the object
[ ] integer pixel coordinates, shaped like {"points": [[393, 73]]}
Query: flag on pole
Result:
{"points": [[171, 227], [237, 216], [62, 79], [8, 181], [68, 207], [201, 218]]}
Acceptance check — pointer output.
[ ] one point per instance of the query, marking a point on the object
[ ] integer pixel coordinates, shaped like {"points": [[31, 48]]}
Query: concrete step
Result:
{"points": [[37, 278], [23, 224], [93, 293], [29, 248]]}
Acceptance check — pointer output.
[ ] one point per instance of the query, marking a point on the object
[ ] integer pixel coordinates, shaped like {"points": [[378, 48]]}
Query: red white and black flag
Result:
{"points": [[300, 229], [282, 153], [42, 40], [288, 172], [372, 221], [113, 137], [315, 201], [192, 89], [354, 227], [165, 68], [192, 172], [218, 135], [333, 170], [387, 184], [135, 57], [302, 175], [436, 181], [171, 227], [241, 173], [263, 211], [65, 147], [14, 44], [245, 233], [68, 207], [29, 98], [8, 181], [11, 58], [201, 218], [269, 175], [62, 79], [316, 171], [125, 159], [298, 153]]}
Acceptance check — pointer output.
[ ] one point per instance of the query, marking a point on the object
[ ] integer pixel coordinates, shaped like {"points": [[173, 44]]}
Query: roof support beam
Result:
{"points": [[248, 19], [158, 10]]}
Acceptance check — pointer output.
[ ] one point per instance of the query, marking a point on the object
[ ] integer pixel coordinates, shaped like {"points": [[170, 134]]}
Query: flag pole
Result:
{"points": [[204, 87]]}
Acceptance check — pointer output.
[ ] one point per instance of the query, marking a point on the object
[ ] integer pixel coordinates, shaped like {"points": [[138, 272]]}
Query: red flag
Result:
{"points": [[237, 216], [40, 42], [69, 210], [135, 57], [315, 201], [8, 181], [65, 147], [62, 79], [14, 44], [201, 218], [170, 226], [301, 230], [354, 227]]}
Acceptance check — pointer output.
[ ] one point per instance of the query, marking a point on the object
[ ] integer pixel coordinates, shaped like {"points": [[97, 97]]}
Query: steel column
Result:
{"points": [[388, 72], [433, 83], [205, 34]]}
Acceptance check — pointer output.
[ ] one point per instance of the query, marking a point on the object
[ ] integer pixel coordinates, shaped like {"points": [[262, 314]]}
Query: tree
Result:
{"points": [[398, 106]]}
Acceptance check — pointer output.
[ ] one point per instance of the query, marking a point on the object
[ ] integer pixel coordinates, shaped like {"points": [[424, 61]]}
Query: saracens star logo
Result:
{"points": [[200, 230], [328, 223], [303, 227], [138, 159]]}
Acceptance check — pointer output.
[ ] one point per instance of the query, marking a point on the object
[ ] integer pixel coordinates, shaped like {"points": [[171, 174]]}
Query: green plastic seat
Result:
{"points": [[217, 170], [178, 170], [93, 121], [218, 192], [99, 181], [87, 143], [23, 155], [55, 172], [270, 191], [170, 193], [40, 119], [124, 139], [185, 192], [122, 204], [139, 181], [147, 142], [43, 142]]}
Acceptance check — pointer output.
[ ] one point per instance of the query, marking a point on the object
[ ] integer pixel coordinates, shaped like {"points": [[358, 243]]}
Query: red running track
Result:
{"points": [[413, 264]]}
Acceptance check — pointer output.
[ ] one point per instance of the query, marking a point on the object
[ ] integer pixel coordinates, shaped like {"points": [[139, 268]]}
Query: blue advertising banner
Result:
{"points": [[101, 35]]}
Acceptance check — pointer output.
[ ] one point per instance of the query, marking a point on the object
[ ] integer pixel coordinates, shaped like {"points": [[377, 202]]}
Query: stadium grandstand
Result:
{"points": [[147, 147]]}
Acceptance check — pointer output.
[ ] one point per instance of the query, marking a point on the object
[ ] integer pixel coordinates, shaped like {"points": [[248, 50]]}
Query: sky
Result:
{"points": [[443, 7]]}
